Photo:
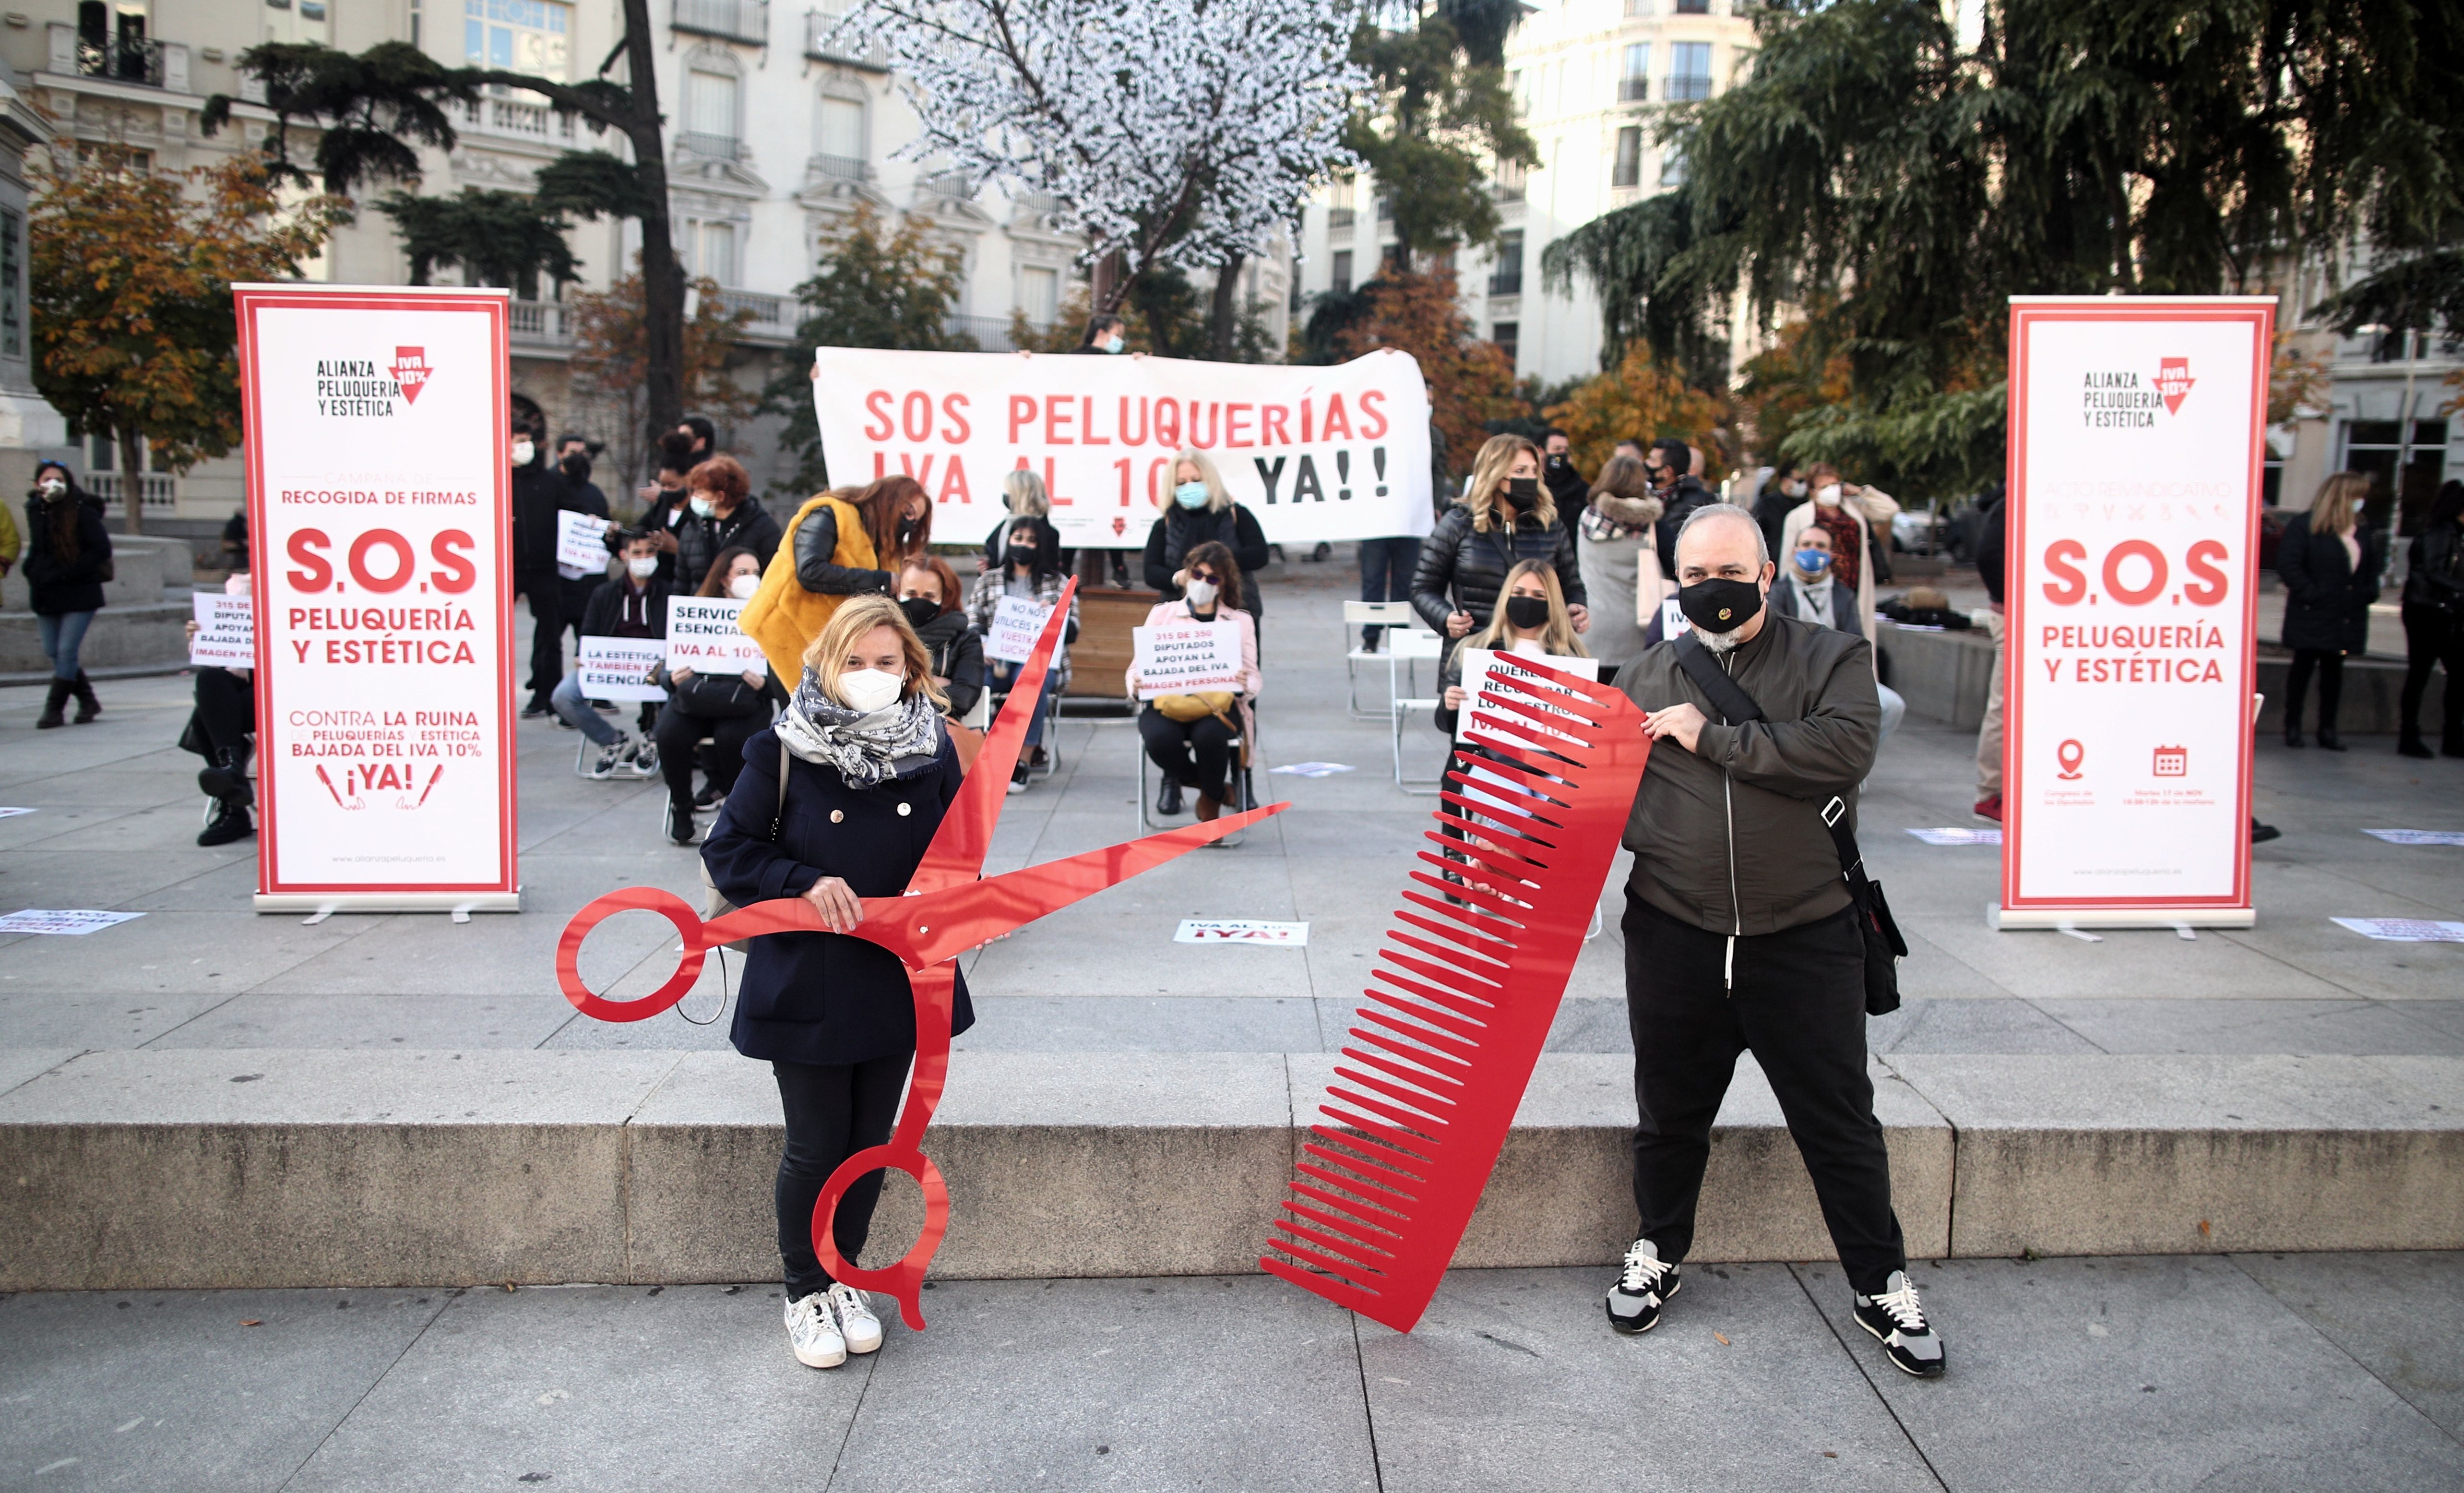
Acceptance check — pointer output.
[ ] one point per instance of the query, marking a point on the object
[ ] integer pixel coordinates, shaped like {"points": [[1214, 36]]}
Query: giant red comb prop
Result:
{"points": [[945, 911], [1471, 981]]}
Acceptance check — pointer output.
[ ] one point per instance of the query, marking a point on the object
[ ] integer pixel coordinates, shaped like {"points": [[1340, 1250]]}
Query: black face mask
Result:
{"points": [[907, 527], [578, 467], [1524, 492], [1719, 605], [1023, 556], [1560, 461], [1526, 612], [920, 609]]}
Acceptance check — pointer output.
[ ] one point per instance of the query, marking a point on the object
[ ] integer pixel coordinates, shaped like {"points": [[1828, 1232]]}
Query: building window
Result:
{"points": [[1690, 72], [2374, 446], [838, 130], [1637, 10], [1692, 8], [709, 249], [12, 287], [1628, 171], [1506, 275], [415, 22], [1039, 294], [1672, 167], [1634, 85], [517, 35], [709, 113], [1341, 280], [1508, 338]]}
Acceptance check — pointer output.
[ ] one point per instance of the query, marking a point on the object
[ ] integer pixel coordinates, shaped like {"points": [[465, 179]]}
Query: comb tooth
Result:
{"points": [[1423, 1129], [1474, 832], [1425, 1119], [1372, 1195], [1552, 715], [1468, 999], [1403, 1071], [1363, 1215], [1368, 1256], [1480, 806], [1336, 1232], [1490, 793], [1534, 778], [1339, 1270], [1437, 1041], [1489, 968], [1446, 979], [1492, 930], [1377, 1152], [1472, 1015], [1515, 869], [1452, 1069], [1418, 1090], [1480, 897], [1420, 1148]]}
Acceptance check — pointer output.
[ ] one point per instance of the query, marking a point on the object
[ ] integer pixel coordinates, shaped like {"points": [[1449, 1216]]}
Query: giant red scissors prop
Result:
{"points": [[949, 908]]}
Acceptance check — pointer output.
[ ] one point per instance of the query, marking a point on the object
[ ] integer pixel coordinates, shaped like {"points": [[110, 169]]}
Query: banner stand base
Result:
{"points": [[455, 902], [2002, 919]]}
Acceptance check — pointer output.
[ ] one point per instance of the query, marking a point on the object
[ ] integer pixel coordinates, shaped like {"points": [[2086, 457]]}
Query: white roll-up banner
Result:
{"points": [[2131, 598], [379, 519], [1316, 453]]}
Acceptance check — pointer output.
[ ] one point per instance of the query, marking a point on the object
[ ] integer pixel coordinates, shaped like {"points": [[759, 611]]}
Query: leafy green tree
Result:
{"points": [[1439, 113], [373, 111], [494, 237]]}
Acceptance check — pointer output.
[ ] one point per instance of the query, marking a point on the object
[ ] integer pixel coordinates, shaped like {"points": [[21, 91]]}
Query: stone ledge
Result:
{"points": [[265, 1168]]}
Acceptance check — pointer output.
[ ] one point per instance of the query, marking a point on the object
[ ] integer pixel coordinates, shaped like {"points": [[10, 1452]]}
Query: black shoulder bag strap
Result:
{"points": [[1884, 944]]}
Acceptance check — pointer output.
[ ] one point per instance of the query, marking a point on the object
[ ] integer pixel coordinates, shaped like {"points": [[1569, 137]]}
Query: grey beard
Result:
{"points": [[1722, 642]]}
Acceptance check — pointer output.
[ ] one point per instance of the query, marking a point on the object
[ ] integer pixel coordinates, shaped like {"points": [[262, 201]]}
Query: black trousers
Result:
{"points": [[1798, 1005], [225, 711], [2331, 666], [2433, 637], [1386, 567], [545, 594], [1196, 754], [675, 734], [833, 1111], [573, 603]]}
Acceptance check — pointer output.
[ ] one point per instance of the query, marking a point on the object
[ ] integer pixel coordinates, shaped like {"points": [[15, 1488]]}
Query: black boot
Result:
{"points": [[53, 704], [2328, 740], [88, 707], [1168, 799], [230, 822], [2292, 734], [226, 780]]}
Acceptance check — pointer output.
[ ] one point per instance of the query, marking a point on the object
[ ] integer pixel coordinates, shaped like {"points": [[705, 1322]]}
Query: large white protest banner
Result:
{"points": [[225, 635], [620, 668], [702, 636], [2134, 506], [1186, 658], [377, 513], [1316, 453]]}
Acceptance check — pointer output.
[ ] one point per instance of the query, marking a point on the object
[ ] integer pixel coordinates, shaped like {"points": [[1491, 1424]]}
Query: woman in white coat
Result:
{"points": [[1849, 512]]}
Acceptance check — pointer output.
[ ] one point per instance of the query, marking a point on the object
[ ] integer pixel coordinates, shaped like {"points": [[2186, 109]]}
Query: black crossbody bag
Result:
{"points": [[1884, 947]]}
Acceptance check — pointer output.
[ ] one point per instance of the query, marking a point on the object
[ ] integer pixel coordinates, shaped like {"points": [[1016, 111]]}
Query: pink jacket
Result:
{"points": [[1251, 680]]}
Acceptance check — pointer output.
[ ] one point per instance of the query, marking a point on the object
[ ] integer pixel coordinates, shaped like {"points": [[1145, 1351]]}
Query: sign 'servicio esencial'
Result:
{"points": [[379, 469], [702, 636], [1316, 453]]}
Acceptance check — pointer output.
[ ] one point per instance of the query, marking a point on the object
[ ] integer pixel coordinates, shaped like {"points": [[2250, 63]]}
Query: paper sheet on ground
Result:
{"points": [[1312, 769], [42, 920], [6, 813], [2403, 930], [1017, 622], [2419, 836], [620, 668], [1241, 930], [1957, 836]]}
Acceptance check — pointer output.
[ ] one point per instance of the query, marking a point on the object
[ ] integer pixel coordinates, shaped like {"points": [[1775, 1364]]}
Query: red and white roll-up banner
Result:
{"points": [[379, 519], [1316, 453], [2131, 597]]}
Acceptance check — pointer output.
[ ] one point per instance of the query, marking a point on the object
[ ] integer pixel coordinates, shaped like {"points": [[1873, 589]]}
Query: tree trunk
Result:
{"points": [[1226, 322], [663, 278], [132, 480], [1109, 285]]}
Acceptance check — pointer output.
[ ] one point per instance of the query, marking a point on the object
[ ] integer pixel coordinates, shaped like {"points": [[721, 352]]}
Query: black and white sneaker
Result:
{"points": [[1642, 1287], [1898, 1319]]}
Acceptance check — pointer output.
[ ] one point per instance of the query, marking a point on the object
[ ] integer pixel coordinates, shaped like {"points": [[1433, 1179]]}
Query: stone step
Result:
{"points": [[128, 1170]]}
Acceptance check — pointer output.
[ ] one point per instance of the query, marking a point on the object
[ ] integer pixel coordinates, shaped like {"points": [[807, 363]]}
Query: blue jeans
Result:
{"points": [[999, 676], [1386, 567], [62, 636], [574, 710]]}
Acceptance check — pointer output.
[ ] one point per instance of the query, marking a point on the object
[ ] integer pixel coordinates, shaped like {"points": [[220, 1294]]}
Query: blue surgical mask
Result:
{"points": [[1813, 563], [1190, 494], [1113, 343]]}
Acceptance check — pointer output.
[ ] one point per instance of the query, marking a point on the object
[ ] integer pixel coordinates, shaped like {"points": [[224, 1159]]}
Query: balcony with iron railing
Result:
{"points": [[1634, 90], [768, 317], [1037, 210], [949, 186], [140, 61], [1338, 220], [161, 492], [515, 120], [822, 45], [1506, 280], [540, 323], [747, 21], [1685, 87], [710, 147], [838, 169]]}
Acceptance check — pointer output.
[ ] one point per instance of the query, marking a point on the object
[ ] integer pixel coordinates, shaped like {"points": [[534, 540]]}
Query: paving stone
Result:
{"points": [[2401, 1316]]}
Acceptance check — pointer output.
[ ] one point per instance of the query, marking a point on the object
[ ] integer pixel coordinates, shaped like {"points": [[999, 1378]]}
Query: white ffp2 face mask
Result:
{"points": [[742, 588], [1828, 495], [865, 691], [523, 451], [1202, 593], [643, 566]]}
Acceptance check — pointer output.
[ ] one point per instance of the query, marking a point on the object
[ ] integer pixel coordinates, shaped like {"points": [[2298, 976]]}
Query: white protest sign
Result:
{"points": [[702, 636], [75, 923], [1242, 930], [1673, 624], [226, 631], [621, 668], [1017, 622], [580, 545], [1316, 453], [379, 469], [1478, 663], [2404, 930], [1186, 658], [2136, 429]]}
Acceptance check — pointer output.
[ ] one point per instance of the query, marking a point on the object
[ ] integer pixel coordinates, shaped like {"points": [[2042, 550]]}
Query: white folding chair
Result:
{"points": [[1396, 618], [1404, 709], [1242, 788]]}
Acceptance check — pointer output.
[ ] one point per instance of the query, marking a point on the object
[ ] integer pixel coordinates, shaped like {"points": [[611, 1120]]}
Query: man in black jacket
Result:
{"points": [[1566, 485], [1740, 931], [1670, 466], [539, 491]]}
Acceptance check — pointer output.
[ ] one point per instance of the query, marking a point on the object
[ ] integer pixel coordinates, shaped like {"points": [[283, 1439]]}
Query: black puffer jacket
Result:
{"points": [[1687, 495], [2326, 597], [957, 656], [1181, 530], [540, 490], [2435, 574], [1461, 568], [59, 583]]}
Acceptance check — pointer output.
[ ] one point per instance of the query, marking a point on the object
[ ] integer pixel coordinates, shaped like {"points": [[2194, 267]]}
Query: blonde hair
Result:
{"points": [[1023, 495], [856, 616], [1557, 637], [1488, 472], [2340, 500], [1219, 497]]}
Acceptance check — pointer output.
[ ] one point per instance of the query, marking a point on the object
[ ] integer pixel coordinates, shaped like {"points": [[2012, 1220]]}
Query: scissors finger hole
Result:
{"points": [[906, 1224], [631, 955]]}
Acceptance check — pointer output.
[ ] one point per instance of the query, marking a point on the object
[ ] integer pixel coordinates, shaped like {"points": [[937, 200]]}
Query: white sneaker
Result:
{"points": [[813, 1334], [611, 759], [642, 759], [857, 1324]]}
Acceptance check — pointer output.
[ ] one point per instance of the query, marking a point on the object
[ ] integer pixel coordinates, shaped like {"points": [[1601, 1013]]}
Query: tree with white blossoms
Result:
{"points": [[1170, 131]]}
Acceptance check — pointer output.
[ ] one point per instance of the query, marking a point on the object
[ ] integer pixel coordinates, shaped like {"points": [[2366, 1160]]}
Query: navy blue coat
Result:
{"points": [[825, 998]]}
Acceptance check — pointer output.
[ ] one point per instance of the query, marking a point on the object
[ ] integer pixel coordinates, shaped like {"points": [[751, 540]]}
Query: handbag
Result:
{"points": [[1884, 946], [1186, 708], [713, 901]]}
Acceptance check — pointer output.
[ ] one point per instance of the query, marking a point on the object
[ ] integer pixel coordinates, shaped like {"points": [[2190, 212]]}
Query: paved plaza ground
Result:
{"points": [[2219, 1372]]}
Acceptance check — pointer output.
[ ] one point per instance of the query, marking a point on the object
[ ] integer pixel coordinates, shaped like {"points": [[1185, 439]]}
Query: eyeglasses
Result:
{"points": [[1203, 575]]}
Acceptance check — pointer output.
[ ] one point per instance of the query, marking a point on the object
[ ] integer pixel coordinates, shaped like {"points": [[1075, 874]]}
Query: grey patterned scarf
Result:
{"points": [[865, 749]]}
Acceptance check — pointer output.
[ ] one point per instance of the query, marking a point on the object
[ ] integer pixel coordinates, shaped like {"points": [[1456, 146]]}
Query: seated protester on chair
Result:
{"points": [[848, 541], [219, 726], [728, 709], [1190, 735], [928, 593], [1808, 590], [632, 606], [1030, 570]]}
